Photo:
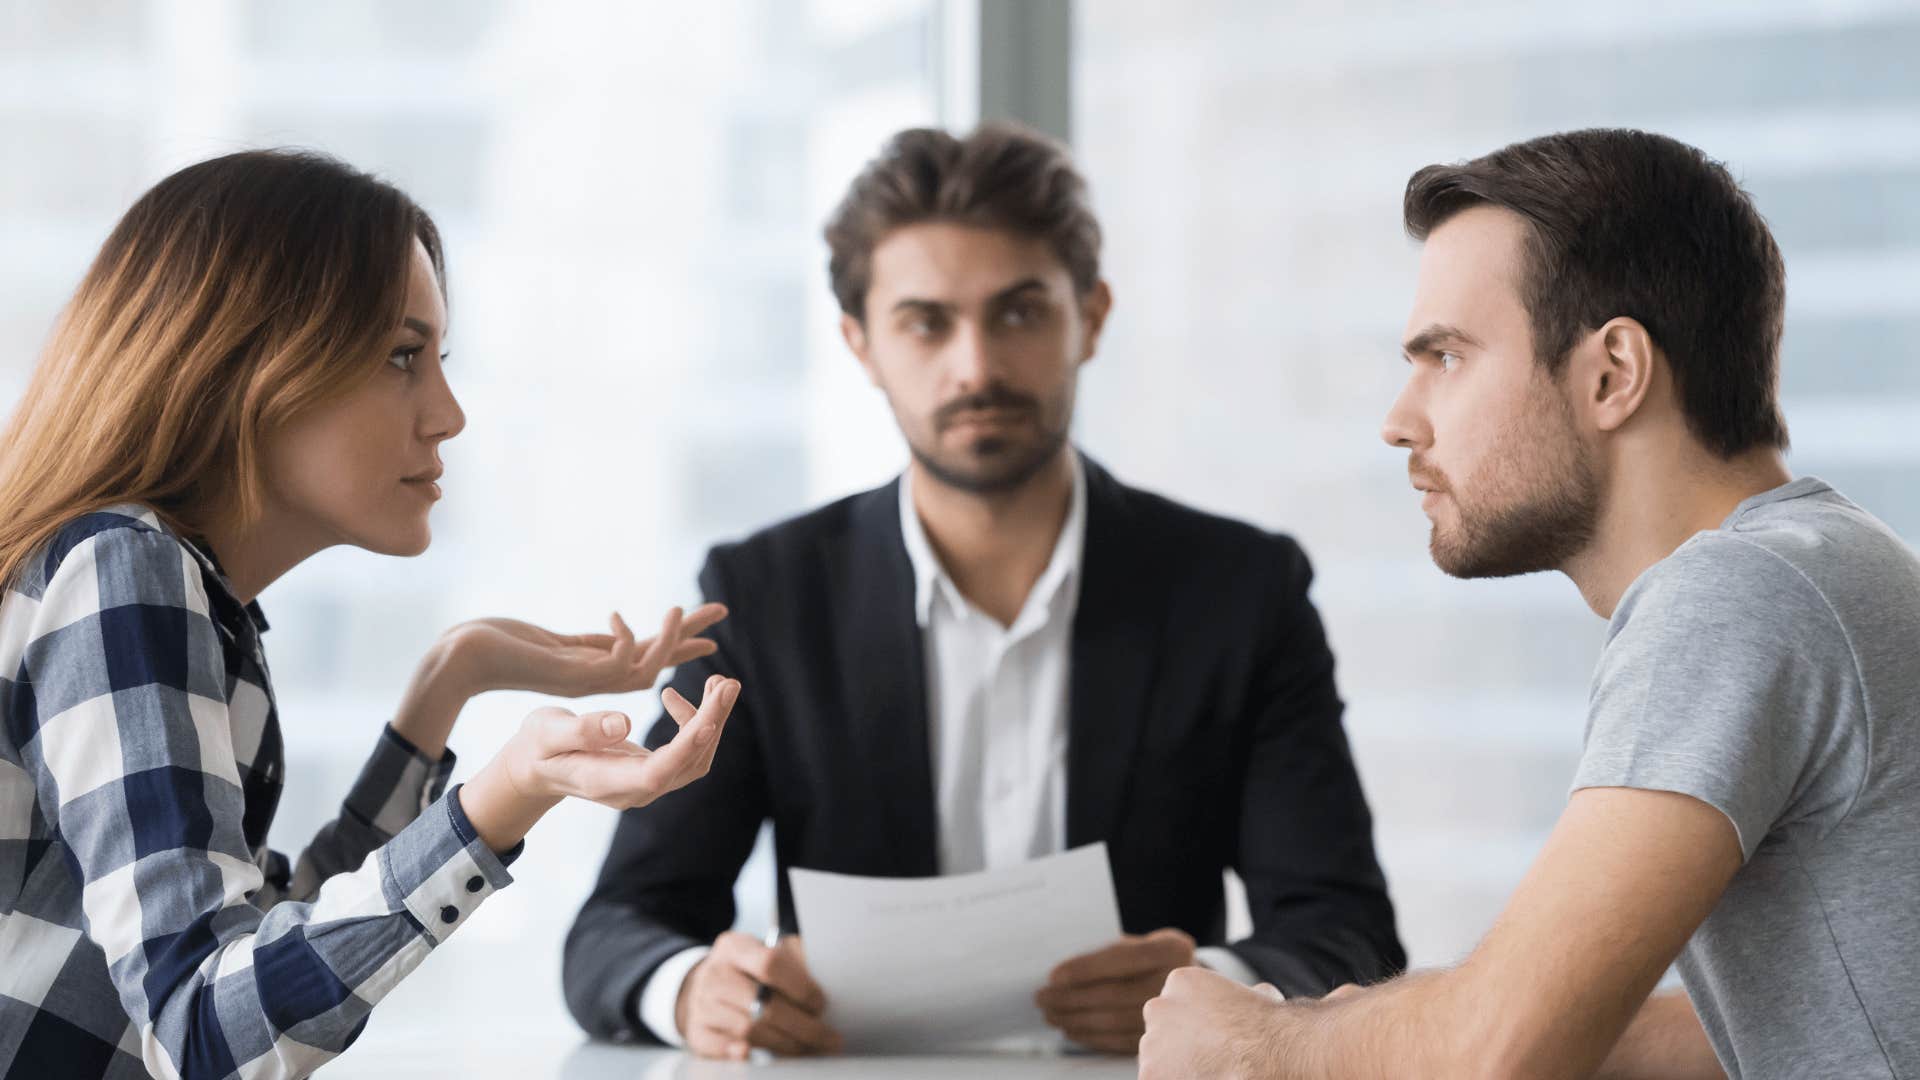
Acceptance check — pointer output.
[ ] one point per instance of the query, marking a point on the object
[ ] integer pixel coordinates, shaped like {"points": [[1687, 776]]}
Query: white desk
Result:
{"points": [[469, 1015], [539, 1058], [602, 1062]]}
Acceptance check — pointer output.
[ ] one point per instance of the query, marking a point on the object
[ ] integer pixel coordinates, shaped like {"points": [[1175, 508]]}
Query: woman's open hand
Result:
{"points": [[507, 654], [557, 754]]}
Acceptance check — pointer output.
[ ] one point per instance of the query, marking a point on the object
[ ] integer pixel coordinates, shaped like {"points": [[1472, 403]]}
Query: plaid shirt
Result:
{"points": [[145, 928]]}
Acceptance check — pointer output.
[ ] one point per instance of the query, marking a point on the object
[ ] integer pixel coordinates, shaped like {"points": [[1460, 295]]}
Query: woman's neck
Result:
{"points": [[255, 554]]}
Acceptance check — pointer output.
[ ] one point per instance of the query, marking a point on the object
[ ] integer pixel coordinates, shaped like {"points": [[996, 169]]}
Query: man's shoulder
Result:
{"points": [[803, 535], [1196, 535], [1717, 574], [1817, 556], [1840, 549]]}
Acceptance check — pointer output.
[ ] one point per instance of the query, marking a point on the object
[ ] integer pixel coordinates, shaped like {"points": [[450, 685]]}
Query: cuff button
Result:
{"points": [[476, 883], [449, 914]]}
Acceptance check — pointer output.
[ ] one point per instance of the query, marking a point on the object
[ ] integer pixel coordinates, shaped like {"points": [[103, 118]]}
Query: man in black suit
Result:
{"points": [[1004, 654]]}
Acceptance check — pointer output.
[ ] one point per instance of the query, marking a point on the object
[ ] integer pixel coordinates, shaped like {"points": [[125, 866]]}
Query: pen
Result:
{"points": [[765, 993], [762, 996]]}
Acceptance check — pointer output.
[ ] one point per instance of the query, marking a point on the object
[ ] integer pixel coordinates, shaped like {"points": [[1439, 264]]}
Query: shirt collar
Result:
{"points": [[1059, 580], [210, 565], [219, 587]]}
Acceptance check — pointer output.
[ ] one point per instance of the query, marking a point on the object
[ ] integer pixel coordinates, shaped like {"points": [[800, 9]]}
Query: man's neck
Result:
{"points": [[1651, 511], [995, 547]]}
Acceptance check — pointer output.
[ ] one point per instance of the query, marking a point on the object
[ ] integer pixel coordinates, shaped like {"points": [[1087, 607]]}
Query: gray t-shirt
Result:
{"points": [[1768, 668]]}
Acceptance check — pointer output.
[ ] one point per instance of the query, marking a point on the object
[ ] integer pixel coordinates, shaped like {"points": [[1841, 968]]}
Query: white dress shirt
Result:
{"points": [[997, 701], [997, 708]]}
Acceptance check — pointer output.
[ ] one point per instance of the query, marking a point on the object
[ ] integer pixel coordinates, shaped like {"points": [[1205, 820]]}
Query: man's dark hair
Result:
{"points": [[1626, 223], [1001, 176]]}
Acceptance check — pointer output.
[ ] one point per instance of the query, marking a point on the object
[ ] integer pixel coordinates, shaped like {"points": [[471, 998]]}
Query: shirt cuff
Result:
{"points": [[660, 996], [1227, 962], [440, 870], [463, 825], [397, 784]]}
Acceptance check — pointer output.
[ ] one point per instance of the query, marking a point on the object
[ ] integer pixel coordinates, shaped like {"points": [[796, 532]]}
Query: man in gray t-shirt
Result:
{"points": [[1766, 668], [1591, 388]]}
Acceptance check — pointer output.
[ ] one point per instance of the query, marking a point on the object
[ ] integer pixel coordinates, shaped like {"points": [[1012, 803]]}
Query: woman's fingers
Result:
{"points": [[624, 647], [720, 704], [655, 653], [635, 782], [680, 708], [670, 626], [561, 732], [703, 618], [693, 649], [589, 756]]}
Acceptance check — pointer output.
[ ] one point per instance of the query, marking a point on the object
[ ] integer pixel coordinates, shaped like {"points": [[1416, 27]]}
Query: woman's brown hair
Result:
{"points": [[235, 294]]}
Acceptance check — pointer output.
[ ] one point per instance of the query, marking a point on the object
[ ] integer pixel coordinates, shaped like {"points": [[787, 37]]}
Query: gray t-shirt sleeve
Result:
{"points": [[1727, 677]]}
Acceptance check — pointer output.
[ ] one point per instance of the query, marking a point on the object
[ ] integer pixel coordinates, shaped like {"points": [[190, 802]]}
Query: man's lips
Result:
{"points": [[984, 418], [1429, 488]]}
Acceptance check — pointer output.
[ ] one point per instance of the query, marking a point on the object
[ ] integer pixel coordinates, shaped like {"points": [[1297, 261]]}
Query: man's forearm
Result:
{"points": [[1438, 1023], [1664, 1042], [1427, 1024], [1409, 1026]]}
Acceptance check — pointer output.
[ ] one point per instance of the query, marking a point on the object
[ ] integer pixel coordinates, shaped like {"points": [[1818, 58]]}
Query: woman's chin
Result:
{"points": [[404, 541]]}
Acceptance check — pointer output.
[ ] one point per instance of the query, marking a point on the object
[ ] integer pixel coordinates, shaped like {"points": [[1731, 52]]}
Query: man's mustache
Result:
{"points": [[1424, 476], [993, 397]]}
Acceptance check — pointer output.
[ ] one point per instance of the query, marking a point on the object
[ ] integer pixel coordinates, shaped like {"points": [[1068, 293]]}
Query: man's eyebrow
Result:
{"points": [[914, 303], [1434, 337], [1015, 289]]}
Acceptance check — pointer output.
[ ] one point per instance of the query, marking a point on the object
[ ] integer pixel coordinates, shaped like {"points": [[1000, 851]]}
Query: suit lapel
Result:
{"points": [[882, 668], [1116, 641]]}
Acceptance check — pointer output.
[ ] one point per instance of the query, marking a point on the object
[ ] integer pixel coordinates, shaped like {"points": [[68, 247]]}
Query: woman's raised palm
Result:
{"points": [[508, 654]]}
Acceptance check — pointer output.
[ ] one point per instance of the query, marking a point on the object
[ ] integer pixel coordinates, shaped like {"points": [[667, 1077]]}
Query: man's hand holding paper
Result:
{"points": [[1095, 999], [935, 963]]}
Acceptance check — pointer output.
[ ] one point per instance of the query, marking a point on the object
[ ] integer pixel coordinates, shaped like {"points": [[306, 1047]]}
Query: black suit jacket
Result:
{"points": [[1204, 733]]}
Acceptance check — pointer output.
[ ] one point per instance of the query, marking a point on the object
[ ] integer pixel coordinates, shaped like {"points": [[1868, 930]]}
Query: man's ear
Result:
{"points": [[1095, 306], [1615, 369], [854, 332]]}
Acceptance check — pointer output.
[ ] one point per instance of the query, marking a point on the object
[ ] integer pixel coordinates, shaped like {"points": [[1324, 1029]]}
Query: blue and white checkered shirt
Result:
{"points": [[145, 928]]}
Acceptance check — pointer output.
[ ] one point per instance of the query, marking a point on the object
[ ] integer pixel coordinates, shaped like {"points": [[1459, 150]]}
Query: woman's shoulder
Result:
{"points": [[120, 544]]}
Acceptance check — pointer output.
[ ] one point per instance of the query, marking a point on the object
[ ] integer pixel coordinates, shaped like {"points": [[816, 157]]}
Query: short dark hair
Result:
{"points": [[1001, 176], [1627, 223]]}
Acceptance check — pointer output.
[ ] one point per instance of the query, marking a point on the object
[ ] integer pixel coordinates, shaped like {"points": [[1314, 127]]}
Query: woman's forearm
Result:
{"points": [[501, 814], [439, 689]]}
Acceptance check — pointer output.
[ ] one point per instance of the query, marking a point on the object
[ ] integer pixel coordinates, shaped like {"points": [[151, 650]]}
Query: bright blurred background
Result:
{"points": [[646, 349]]}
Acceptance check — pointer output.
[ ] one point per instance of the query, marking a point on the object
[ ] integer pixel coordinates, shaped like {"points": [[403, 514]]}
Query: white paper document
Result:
{"points": [[911, 964]]}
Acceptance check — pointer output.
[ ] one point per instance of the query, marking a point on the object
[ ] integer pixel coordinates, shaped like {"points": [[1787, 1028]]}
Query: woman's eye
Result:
{"points": [[404, 358]]}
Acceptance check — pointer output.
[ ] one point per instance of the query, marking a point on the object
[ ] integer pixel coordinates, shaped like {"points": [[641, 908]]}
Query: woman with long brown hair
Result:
{"points": [[250, 372]]}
